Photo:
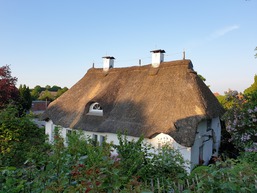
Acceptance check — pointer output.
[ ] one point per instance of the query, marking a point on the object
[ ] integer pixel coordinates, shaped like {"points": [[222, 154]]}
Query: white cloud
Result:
{"points": [[224, 31], [211, 37]]}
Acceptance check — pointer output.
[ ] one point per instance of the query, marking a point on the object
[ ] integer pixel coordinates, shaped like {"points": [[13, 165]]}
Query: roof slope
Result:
{"points": [[141, 100]]}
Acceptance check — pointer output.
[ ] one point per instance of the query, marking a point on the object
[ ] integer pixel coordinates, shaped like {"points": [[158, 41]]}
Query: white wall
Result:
{"points": [[162, 139], [157, 58], [108, 63], [156, 142], [190, 154], [49, 130], [216, 126], [208, 143]]}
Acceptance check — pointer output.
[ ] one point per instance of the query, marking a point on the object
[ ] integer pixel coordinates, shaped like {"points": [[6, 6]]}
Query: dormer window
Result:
{"points": [[95, 109]]}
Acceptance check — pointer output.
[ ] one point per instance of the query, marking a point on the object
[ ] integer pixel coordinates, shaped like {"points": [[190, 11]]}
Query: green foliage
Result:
{"points": [[36, 92], [253, 87], [142, 160], [168, 162], [47, 87], [241, 122], [131, 154], [231, 98], [223, 101], [47, 93], [83, 166], [202, 78], [25, 100], [54, 88], [19, 137], [61, 91], [225, 176]]}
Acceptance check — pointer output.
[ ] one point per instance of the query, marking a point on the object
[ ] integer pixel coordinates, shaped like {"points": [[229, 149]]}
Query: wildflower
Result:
{"points": [[250, 111]]}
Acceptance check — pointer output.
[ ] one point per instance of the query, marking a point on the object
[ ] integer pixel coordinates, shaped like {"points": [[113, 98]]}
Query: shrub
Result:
{"points": [[241, 122], [83, 166], [20, 138], [226, 176]]}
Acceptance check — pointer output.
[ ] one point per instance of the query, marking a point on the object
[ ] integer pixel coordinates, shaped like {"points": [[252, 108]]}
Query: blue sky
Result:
{"points": [[55, 42]]}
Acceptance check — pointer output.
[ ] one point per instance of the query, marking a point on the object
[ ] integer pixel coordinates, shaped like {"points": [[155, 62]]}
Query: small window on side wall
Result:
{"points": [[102, 139], [95, 109], [94, 139]]}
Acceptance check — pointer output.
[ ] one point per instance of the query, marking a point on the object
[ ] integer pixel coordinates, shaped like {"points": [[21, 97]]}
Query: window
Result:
{"points": [[70, 131], [201, 161], [102, 139], [95, 109], [96, 106], [94, 139]]}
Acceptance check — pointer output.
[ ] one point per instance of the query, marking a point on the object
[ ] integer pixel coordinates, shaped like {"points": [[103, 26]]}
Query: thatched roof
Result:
{"points": [[140, 100]]}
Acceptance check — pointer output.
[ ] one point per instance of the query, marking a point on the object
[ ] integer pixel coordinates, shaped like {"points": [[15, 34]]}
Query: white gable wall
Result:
{"points": [[205, 142], [216, 126]]}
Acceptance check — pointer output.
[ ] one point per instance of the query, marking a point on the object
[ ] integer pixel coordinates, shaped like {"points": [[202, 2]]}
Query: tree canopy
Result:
{"points": [[8, 91], [25, 97], [19, 137], [47, 93], [253, 87]]}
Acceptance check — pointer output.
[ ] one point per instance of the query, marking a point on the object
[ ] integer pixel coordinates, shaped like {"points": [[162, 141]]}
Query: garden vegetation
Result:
{"points": [[29, 164]]}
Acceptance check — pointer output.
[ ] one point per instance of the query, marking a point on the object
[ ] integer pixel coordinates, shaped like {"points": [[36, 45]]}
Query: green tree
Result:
{"points": [[47, 87], [222, 100], [230, 98], [46, 95], [25, 97], [253, 87], [19, 137], [55, 88], [226, 176], [36, 92], [61, 91]]}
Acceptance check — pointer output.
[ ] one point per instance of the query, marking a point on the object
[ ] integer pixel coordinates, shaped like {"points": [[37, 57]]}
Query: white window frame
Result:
{"points": [[95, 109]]}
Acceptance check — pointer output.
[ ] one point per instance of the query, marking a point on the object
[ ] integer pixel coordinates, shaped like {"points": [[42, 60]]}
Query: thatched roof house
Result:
{"points": [[140, 100]]}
